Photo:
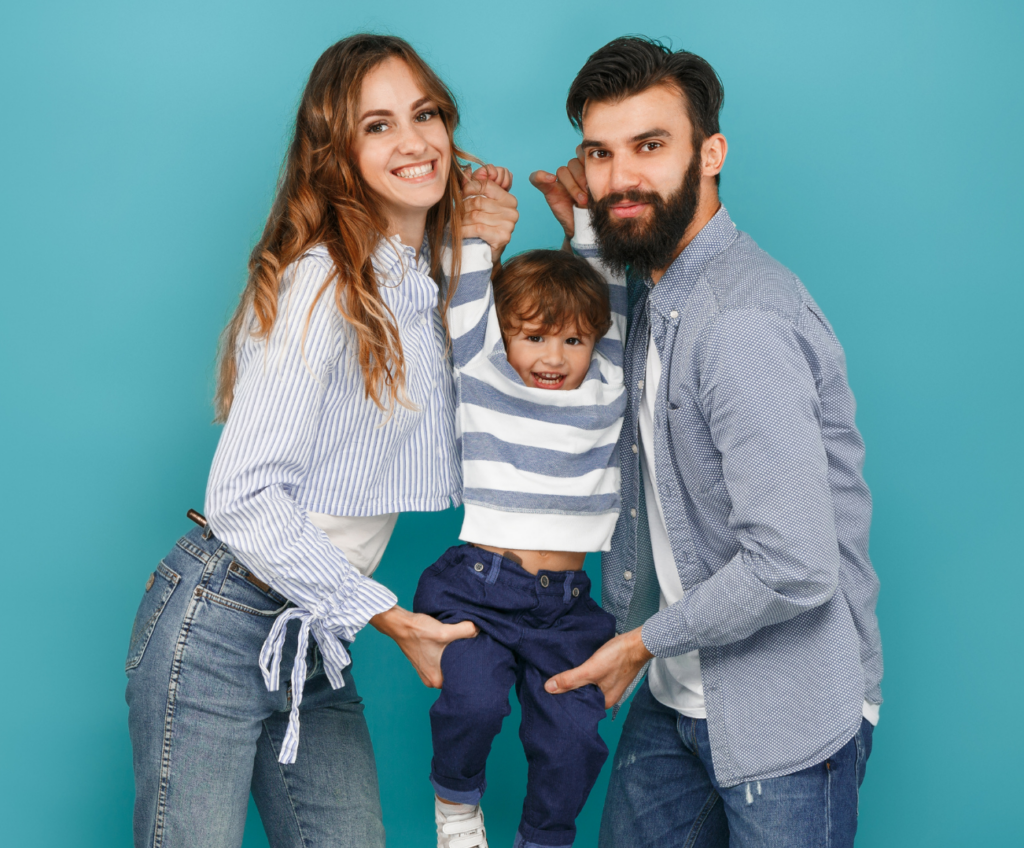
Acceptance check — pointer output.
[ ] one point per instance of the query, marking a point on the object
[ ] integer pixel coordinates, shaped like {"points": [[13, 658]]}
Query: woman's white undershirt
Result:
{"points": [[361, 538]]}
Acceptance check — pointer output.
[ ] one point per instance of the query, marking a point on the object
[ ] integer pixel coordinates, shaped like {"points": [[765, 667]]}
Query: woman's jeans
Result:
{"points": [[206, 732], [663, 792]]}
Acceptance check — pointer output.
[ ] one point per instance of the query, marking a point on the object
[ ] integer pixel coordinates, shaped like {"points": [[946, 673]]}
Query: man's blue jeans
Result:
{"points": [[663, 791], [205, 731]]}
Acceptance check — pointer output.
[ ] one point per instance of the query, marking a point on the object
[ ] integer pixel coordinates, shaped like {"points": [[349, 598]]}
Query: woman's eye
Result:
{"points": [[426, 115], [378, 127]]}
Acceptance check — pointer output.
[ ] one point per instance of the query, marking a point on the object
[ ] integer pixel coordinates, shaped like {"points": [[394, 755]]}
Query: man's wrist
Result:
{"points": [[637, 649]]}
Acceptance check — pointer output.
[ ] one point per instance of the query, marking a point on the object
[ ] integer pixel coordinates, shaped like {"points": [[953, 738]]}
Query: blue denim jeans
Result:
{"points": [[206, 732], [663, 791], [532, 626]]}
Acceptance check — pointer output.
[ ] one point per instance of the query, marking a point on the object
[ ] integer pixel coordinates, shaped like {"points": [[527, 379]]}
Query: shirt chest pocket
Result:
{"points": [[695, 454]]}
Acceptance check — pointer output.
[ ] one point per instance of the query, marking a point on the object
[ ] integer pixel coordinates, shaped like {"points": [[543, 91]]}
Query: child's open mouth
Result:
{"points": [[547, 380]]}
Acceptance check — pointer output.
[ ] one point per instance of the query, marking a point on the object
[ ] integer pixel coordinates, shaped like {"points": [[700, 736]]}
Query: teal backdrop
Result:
{"points": [[874, 148]]}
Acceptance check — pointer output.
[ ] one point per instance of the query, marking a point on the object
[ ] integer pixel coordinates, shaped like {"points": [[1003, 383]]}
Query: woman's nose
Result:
{"points": [[412, 141]]}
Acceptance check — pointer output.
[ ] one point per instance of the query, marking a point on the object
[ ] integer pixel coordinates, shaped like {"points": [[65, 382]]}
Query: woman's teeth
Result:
{"points": [[416, 171]]}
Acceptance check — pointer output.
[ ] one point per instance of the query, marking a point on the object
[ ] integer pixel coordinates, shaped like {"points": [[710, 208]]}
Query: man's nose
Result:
{"points": [[624, 176]]}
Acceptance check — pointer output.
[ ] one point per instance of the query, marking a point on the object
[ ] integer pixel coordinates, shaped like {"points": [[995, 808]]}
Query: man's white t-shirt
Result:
{"points": [[674, 681]]}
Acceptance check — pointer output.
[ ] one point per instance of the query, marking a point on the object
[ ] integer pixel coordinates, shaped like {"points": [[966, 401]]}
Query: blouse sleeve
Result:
{"points": [[265, 451]]}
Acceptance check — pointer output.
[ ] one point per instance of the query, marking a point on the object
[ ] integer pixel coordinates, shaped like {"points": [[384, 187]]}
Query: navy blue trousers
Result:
{"points": [[532, 626]]}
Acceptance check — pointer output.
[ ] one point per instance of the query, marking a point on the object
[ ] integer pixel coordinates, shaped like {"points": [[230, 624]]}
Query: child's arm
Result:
{"points": [[472, 321], [584, 243]]}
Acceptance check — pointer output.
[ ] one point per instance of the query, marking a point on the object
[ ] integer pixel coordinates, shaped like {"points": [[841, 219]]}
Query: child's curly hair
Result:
{"points": [[554, 289]]}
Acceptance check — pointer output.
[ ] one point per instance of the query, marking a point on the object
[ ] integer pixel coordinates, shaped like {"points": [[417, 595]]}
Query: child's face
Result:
{"points": [[550, 360]]}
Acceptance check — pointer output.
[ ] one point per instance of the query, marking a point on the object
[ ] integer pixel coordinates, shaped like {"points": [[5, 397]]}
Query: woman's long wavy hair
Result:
{"points": [[323, 199]]}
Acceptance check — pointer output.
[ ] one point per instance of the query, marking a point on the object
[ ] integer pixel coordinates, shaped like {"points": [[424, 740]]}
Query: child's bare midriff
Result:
{"points": [[537, 561]]}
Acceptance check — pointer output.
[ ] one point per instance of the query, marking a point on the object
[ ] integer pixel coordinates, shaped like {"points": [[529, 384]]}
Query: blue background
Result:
{"points": [[875, 148]]}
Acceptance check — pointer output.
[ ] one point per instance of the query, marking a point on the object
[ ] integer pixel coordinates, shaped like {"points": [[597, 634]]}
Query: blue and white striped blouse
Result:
{"points": [[540, 467], [302, 437]]}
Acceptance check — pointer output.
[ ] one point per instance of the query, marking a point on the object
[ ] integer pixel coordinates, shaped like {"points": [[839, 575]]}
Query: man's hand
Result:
{"points": [[566, 188], [613, 667], [422, 639], [489, 211]]}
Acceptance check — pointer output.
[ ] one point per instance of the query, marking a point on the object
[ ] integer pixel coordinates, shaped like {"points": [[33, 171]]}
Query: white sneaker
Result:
{"points": [[459, 825]]}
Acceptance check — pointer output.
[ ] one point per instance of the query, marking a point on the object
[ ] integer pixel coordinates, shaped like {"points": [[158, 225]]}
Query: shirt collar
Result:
{"points": [[678, 281]]}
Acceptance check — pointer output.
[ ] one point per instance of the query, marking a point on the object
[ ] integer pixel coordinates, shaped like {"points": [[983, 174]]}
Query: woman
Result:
{"points": [[336, 390]]}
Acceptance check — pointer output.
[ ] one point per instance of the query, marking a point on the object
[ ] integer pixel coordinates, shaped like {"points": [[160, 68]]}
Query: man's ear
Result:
{"points": [[713, 152]]}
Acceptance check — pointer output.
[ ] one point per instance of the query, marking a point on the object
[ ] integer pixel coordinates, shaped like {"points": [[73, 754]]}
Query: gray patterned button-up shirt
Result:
{"points": [[759, 474]]}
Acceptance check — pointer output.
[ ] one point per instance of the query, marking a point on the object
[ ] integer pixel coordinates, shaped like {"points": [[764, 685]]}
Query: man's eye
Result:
{"points": [[598, 154], [426, 115], [651, 145]]}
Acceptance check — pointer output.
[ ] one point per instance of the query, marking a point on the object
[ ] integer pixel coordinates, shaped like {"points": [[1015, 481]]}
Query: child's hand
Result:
{"points": [[489, 211]]}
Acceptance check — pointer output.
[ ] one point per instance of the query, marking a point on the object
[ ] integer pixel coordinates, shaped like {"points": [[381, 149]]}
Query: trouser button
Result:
{"points": [[544, 581]]}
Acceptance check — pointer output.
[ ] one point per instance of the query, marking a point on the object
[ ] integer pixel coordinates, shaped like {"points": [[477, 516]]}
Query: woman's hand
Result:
{"points": [[422, 639], [489, 210], [566, 188]]}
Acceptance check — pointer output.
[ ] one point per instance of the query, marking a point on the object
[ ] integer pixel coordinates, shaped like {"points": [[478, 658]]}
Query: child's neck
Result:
{"points": [[537, 561]]}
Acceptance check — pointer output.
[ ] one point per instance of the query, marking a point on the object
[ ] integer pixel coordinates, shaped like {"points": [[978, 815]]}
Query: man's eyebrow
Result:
{"points": [[387, 113], [657, 132]]}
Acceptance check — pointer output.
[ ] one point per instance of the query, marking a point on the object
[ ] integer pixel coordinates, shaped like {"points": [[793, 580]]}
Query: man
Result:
{"points": [[739, 567]]}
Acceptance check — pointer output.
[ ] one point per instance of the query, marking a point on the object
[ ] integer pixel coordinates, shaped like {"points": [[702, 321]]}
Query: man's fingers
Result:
{"points": [[574, 678], [575, 167], [568, 182]]}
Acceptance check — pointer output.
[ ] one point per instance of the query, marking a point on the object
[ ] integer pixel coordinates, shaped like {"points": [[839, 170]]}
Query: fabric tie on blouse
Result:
{"points": [[332, 650]]}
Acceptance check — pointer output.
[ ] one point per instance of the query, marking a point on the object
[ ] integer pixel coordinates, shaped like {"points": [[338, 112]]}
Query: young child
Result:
{"points": [[540, 405]]}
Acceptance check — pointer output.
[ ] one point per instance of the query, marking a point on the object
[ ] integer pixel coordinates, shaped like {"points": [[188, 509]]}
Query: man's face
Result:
{"points": [[642, 175]]}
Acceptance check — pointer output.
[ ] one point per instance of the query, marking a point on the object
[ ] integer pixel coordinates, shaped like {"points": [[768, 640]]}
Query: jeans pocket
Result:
{"points": [[161, 585]]}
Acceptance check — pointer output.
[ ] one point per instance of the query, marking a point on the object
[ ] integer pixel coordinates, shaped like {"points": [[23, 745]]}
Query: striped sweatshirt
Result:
{"points": [[540, 467]]}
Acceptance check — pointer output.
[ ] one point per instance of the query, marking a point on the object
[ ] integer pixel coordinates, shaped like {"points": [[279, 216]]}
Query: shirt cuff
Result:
{"points": [[667, 634], [350, 608], [583, 228]]}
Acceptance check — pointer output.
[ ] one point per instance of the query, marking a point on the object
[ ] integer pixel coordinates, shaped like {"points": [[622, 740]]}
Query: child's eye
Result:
{"points": [[573, 341], [535, 338], [426, 115]]}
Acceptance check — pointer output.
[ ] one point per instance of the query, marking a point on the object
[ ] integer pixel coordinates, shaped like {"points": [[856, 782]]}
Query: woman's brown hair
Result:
{"points": [[323, 199]]}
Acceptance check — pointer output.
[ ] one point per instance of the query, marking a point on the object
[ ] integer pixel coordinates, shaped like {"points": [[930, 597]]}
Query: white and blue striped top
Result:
{"points": [[540, 467], [302, 437]]}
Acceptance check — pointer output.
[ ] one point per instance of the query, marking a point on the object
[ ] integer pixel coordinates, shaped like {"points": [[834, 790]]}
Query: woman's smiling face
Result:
{"points": [[401, 145]]}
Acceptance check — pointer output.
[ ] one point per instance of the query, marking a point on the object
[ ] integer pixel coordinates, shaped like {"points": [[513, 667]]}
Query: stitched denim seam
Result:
{"points": [[235, 605], [284, 781], [828, 806], [702, 817], [172, 701]]}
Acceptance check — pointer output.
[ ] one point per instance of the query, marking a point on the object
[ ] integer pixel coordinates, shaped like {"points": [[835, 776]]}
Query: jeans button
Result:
{"points": [[575, 593], [544, 581], [478, 567]]}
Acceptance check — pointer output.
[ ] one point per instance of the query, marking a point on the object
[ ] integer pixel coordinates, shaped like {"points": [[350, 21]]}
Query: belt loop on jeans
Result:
{"points": [[567, 594], [492, 575]]}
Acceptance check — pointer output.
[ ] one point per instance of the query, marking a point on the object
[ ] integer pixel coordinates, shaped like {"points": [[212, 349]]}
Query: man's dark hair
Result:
{"points": [[632, 64]]}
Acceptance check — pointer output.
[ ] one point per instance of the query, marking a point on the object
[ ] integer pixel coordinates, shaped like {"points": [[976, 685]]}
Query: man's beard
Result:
{"points": [[646, 245]]}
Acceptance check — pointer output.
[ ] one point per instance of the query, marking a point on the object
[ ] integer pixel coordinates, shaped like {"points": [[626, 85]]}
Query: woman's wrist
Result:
{"points": [[395, 622]]}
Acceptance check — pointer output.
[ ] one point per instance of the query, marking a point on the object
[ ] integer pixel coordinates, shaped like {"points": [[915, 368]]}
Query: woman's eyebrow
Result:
{"points": [[387, 113]]}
